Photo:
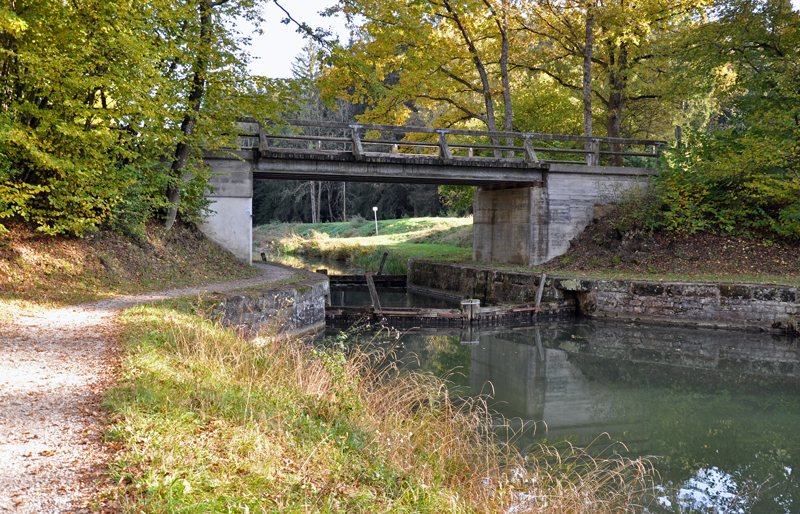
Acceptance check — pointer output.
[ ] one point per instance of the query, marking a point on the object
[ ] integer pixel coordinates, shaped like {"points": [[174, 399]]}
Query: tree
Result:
{"points": [[66, 82], [95, 98], [745, 173], [629, 46], [588, 44], [210, 71], [410, 57]]}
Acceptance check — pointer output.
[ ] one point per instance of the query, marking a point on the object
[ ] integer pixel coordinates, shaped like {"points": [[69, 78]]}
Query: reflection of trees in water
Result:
{"points": [[740, 421]]}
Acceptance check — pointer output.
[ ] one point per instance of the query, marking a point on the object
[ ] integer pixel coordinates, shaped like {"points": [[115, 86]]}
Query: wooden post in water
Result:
{"points": [[541, 289], [373, 292]]}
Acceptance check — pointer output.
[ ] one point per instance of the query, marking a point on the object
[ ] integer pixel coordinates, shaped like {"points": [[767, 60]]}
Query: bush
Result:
{"points": [[728, 182]]}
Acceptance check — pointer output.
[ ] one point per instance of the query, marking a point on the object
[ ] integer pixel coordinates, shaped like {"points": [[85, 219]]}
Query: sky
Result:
{"points": [[275, 50]]}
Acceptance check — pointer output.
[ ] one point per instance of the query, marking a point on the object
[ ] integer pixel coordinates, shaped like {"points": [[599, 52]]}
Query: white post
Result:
{"points": [[375, 210]]}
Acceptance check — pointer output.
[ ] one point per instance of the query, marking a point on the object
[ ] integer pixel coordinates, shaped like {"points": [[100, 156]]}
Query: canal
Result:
{"points": [[718, 412]]}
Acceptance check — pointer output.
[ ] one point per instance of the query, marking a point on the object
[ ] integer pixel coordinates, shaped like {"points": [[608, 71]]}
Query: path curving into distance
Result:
{"points": [[55, 367]]}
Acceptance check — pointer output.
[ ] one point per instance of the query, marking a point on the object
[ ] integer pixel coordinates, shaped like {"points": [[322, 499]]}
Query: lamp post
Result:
{"points": [[375, 210]]}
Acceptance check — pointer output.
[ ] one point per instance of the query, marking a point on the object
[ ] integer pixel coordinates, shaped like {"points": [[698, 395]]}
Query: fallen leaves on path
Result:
{"points": [[54, 369]]}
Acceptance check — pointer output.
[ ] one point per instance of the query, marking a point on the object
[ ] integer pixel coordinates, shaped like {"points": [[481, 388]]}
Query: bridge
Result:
{"points": [[535, 192]]}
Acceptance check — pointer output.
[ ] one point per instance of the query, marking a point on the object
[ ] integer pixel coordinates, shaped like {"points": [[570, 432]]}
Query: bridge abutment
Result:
{"points": [[532, 224], [230, 224]]}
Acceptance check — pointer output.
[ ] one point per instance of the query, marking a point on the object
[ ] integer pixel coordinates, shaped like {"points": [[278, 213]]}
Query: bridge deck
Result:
{"points": [[292, 164], [316, 150], [385, 167]]}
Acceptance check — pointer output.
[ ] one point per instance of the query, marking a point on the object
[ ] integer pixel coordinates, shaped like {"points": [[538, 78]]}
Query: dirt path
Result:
{"points": [[54, 369]]}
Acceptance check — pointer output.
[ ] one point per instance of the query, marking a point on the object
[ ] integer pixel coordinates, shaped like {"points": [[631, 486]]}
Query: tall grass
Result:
{"points": [[211, 422]]}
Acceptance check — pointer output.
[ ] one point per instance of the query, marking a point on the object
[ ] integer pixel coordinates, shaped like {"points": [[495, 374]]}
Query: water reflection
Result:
{"points": [[720, 409]]}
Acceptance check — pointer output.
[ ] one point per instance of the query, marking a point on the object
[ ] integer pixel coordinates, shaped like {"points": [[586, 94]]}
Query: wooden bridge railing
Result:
{"points": [[531, 148]]}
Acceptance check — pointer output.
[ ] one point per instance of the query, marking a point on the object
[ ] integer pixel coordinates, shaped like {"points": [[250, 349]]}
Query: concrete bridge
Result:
{"points": [[535, 192]]}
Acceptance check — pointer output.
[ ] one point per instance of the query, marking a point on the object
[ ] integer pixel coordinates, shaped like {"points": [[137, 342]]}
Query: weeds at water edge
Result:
{"points": [[209, 421]]}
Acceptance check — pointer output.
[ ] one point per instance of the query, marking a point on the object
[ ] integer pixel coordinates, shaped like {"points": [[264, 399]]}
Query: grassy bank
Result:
{"points": [[208, 422], [38, 271], [355, 243], [607, 249]]}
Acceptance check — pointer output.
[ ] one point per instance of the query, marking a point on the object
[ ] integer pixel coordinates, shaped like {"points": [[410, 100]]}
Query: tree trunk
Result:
{"points": [[486, 87], [313, 203], [508, 112], [319, 202], [330, 201], [344, 201], [616, 99], [187, 125], [587, 79]]}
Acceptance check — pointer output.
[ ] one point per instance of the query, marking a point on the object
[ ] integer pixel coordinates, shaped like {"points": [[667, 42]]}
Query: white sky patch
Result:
{"points": [[274, 51], [710, 490]]}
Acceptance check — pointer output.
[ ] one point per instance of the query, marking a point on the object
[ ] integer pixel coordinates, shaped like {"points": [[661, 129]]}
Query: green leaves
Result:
{"points": [[93, 100], [746, 174]]}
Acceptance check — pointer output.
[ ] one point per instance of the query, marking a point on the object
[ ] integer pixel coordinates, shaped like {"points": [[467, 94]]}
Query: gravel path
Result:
{"points": [[54, 369]]}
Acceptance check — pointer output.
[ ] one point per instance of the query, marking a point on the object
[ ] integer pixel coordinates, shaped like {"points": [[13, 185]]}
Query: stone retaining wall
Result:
{"points": [[291, 309], [490, 286], [748, 306]]}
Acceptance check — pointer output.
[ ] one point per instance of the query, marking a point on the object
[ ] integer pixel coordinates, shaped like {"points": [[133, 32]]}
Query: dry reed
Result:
{"points": [[337, 430]]}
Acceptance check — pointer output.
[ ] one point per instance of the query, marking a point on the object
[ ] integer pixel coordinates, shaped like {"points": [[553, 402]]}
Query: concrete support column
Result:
{"points": [[532, 225], [230, 224], [511, 225]]}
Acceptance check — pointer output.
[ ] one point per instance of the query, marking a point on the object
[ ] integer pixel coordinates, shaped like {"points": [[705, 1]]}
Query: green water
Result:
{"points": [[718, 411]]}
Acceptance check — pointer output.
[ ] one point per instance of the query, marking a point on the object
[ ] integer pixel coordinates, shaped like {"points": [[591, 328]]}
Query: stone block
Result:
{"points": [[612, 286], [647, 289], [573, 284], [735, 292], [774, 294], [692, 290]]}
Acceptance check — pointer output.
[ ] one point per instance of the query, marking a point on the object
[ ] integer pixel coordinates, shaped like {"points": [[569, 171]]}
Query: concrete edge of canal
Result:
{"points": [[285, 310], [735, 306]]}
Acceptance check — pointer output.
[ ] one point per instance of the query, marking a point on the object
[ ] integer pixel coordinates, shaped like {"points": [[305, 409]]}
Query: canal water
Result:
{"points": [[718, 411]]}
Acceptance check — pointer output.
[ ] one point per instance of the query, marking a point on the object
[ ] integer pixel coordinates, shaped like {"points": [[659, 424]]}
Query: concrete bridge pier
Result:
{"points": [[530, 224], [230, 225]]}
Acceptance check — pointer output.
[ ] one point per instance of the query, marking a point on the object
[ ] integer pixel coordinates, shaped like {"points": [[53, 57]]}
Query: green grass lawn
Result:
{"points": [[450, 240], [355, 242]]}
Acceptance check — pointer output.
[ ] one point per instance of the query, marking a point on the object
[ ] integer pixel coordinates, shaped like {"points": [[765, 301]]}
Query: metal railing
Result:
{"points": [[451, 145]]}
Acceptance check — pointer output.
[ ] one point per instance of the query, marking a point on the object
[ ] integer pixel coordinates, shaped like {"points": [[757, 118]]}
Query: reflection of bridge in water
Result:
{"points": [[570, 378], [535, 191], [707, 404]]}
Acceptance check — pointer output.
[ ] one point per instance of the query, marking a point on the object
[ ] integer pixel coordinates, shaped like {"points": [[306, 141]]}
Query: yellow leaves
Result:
{"points": [[10, 23]]}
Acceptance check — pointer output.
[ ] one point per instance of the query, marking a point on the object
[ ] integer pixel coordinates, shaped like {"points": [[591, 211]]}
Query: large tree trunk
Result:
{"points": [[200, 69], [507, 109], [486, 88], [616, 100], [587, 79]]}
